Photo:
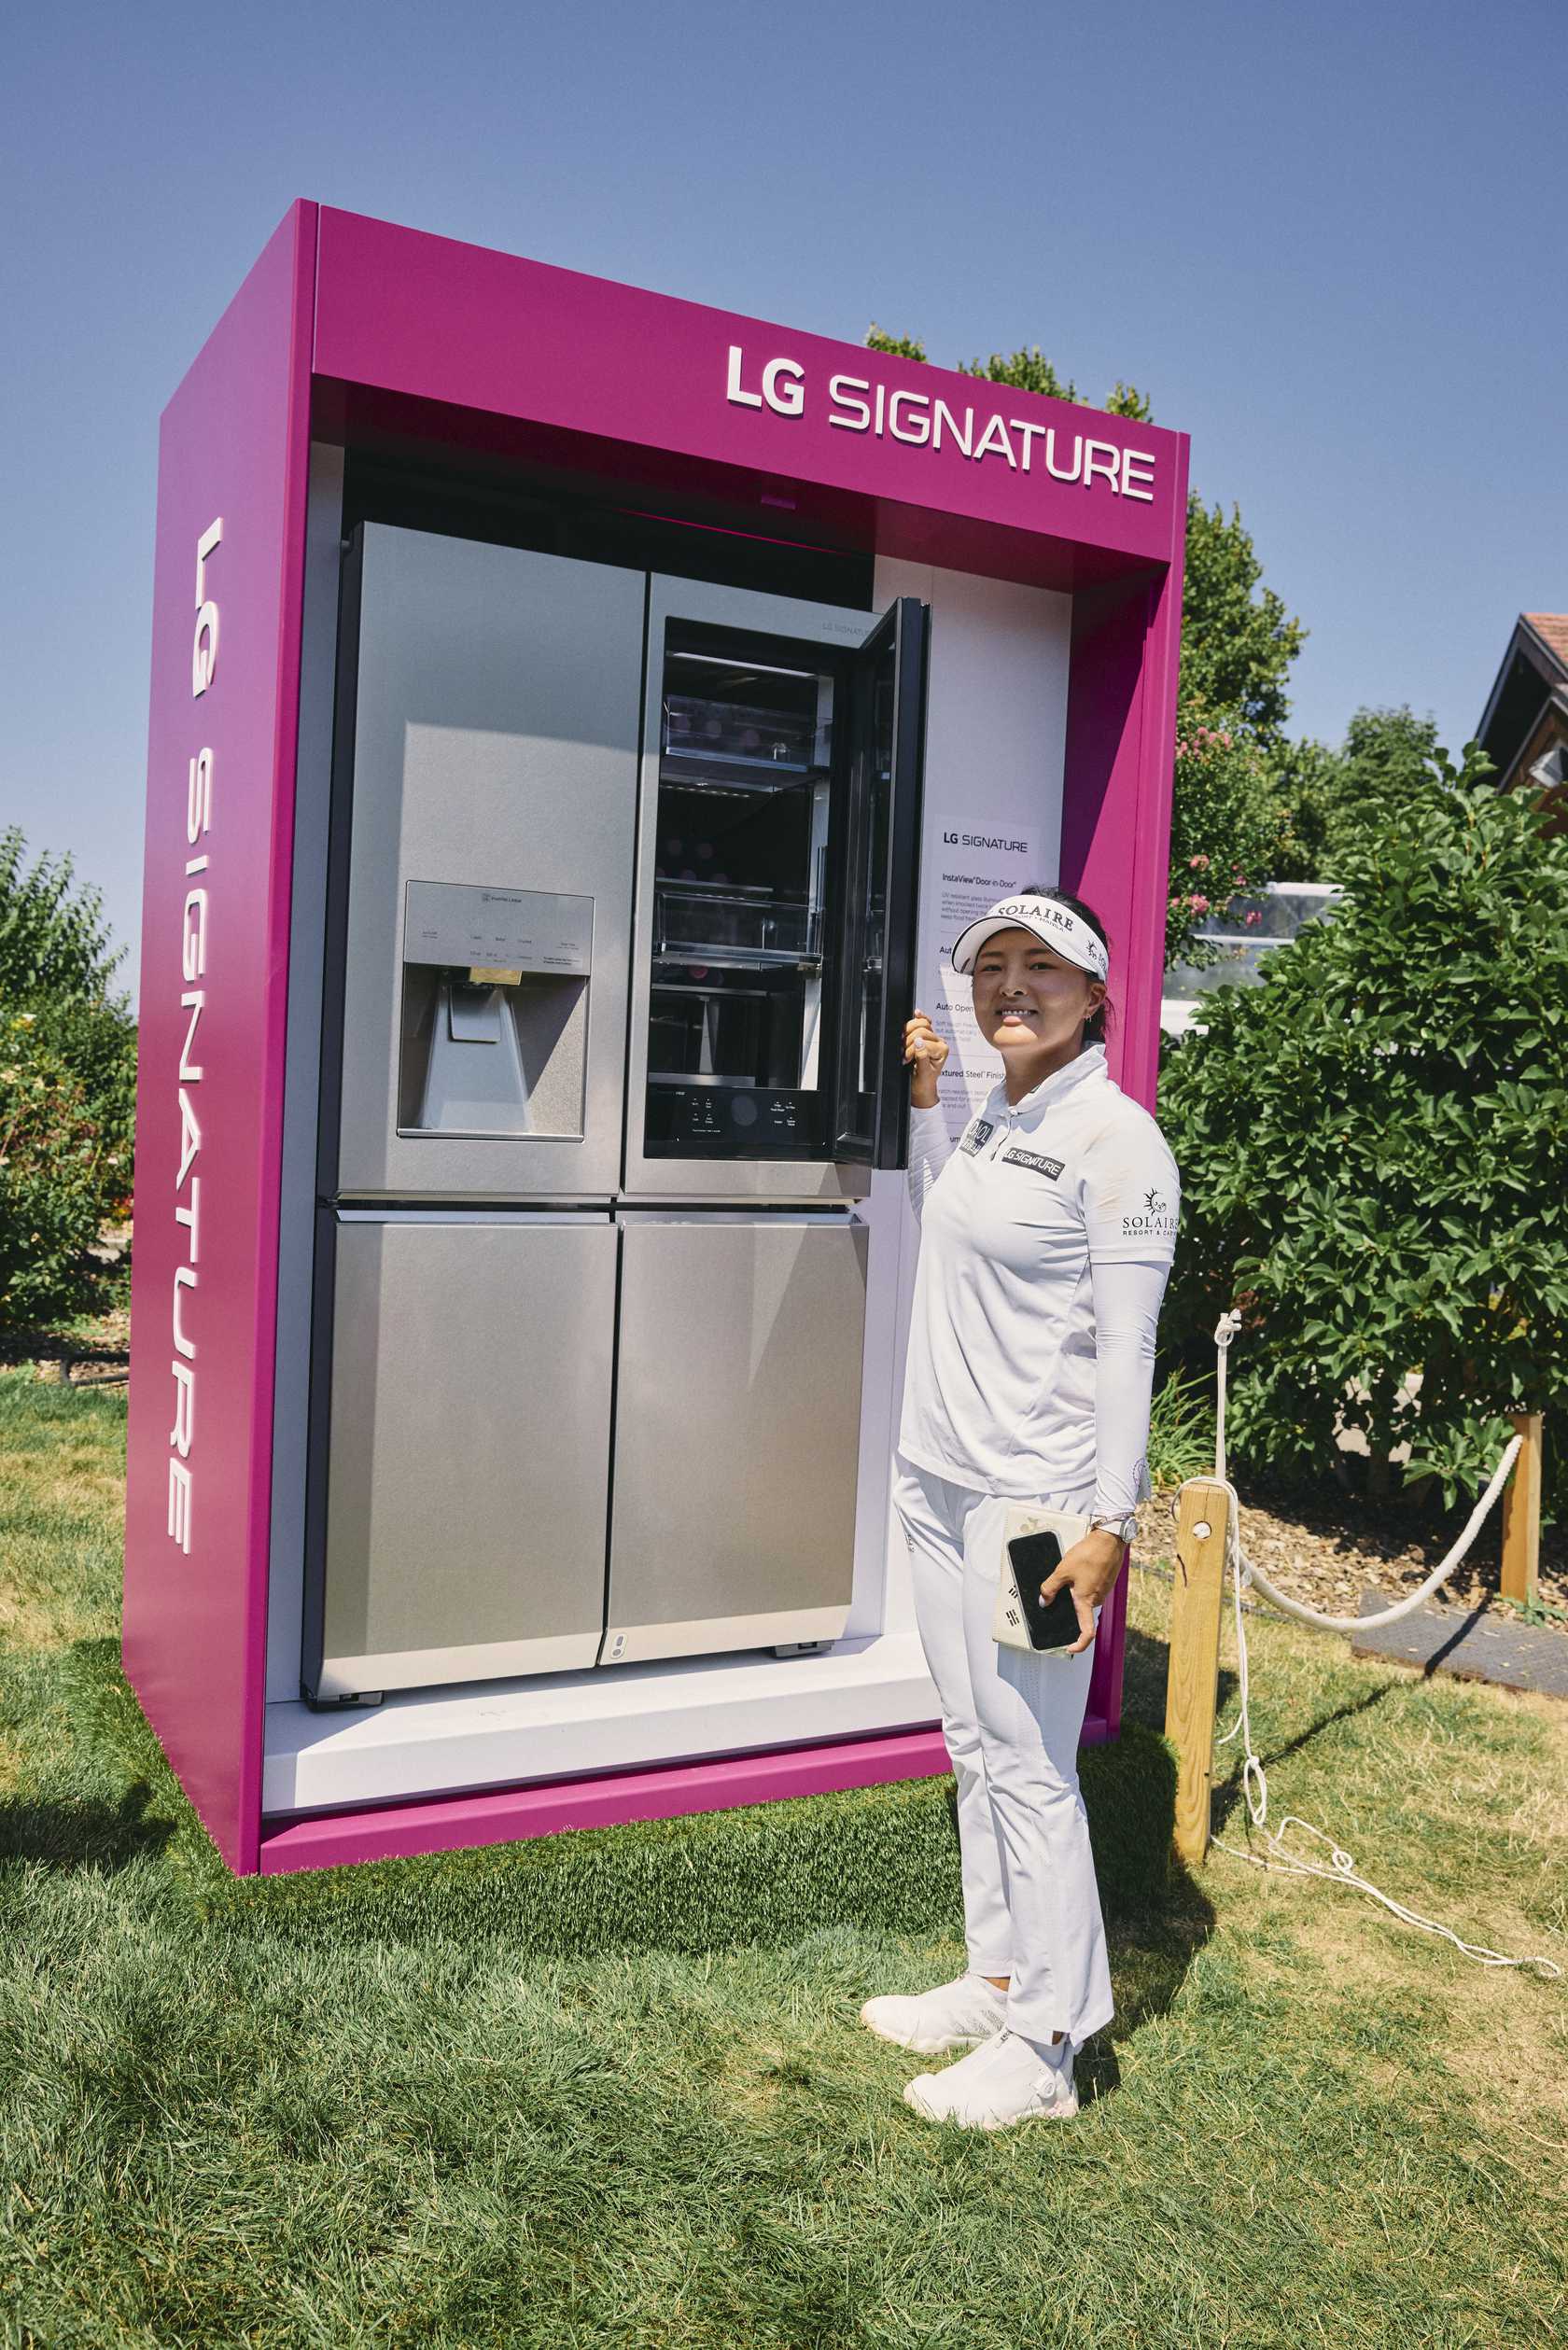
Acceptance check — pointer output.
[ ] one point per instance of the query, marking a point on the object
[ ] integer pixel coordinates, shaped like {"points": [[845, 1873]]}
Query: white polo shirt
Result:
{"points": [[1000, 1386]]}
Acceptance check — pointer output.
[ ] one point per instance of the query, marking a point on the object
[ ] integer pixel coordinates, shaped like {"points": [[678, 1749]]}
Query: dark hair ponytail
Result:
{"points": [[1097, 1023]]}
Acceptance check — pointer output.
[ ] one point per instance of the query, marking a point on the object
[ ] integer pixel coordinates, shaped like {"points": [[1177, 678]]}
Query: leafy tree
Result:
{"points": [[54, 941], [1308, 779], [1374, 1144], [1225, 828], [1237, 642], [1385, 754], [67, 1086], [898, 346], [1030, 371], [1238, 639], [1026, 370], [57, 1179]]}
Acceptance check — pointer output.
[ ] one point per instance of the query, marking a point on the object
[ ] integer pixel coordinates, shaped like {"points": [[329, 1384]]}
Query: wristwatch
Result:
{"points": [[1122, 1528]]}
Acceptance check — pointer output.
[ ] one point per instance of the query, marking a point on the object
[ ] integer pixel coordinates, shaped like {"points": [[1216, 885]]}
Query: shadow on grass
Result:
{"points": [[881, 1859], [1154, 1932], [84, 1834], [1151, 1950], [1227, 1798]]}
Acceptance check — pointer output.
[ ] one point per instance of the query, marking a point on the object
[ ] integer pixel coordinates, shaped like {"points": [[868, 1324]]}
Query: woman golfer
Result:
{"points": [[1046, 1237]]}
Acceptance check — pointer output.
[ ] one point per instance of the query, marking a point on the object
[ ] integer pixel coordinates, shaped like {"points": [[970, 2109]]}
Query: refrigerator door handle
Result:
{"points": [[881, 901]]}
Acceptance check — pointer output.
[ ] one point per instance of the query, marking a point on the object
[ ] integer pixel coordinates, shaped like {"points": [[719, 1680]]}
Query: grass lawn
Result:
{"points": [[408, 2104]]}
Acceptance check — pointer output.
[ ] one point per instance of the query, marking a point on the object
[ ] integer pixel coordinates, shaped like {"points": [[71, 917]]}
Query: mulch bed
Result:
{"points": [[97, 1354], [1328, 1548]]}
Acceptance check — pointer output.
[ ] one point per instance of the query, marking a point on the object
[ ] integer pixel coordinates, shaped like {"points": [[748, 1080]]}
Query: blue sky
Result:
{"points": [[1326, 240]]}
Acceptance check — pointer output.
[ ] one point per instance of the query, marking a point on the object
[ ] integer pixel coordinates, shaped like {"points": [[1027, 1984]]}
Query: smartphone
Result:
{"points": [[1052, 1624]]}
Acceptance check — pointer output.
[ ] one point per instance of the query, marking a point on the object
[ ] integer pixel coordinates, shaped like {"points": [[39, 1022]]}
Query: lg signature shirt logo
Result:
{"points": [[1042, 1165], [1153, 1219]]}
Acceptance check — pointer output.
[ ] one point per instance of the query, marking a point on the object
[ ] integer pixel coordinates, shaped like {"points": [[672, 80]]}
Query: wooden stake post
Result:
{"points": [[1521, 1515], [1193, 1682]]}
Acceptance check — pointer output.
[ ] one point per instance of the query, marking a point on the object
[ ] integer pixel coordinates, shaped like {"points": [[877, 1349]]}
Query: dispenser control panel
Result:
{"points": [[476, 926]]}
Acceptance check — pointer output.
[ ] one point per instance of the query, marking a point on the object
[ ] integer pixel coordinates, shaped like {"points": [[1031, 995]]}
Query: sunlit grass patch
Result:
{"points": [[610, 2090]]}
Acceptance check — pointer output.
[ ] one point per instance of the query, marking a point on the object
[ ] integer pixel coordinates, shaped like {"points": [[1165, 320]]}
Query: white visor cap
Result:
{"points": [[1055, 926]]}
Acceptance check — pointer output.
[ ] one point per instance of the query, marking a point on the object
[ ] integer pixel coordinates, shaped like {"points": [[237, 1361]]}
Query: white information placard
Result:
{"points": [[995, 740], [978, 866]]}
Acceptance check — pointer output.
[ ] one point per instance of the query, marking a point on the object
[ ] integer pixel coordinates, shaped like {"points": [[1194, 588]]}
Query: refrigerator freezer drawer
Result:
{"points": [[736, 1432], [460, 1522]]}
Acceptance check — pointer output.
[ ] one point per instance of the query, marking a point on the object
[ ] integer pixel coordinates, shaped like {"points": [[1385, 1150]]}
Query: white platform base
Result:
{"points": [[643, 1643], [418, 1668], [441, 1742]]}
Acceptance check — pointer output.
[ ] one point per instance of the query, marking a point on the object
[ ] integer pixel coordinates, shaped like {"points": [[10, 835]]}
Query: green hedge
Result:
{"points": [[1373, 1150]]}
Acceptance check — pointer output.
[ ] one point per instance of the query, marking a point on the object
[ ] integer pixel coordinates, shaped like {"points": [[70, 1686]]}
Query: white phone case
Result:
{"points": [[1009, 1624]]}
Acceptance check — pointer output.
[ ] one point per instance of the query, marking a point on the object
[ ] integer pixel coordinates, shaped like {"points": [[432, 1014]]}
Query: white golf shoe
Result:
{"points": [[1003, 2081], [954, 2015]]}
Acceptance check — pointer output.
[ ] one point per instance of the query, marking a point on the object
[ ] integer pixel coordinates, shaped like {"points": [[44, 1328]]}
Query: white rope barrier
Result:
{"points": [[1225, 1331], [1254, 1576], [1341, 1867]]}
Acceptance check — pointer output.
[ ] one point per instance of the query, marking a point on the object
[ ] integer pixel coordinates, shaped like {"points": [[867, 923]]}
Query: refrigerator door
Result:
{"points": [[871, 1122], [484, 823], [740, 990], [737, 1431], [459, 1486]]}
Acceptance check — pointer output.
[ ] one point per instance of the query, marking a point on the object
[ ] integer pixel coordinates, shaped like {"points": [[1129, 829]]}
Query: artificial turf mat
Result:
{"points": [[767, 1874]]}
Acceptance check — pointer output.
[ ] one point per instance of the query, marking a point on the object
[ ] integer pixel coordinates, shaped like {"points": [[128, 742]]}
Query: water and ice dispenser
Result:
{"points": [[495, 1011]]}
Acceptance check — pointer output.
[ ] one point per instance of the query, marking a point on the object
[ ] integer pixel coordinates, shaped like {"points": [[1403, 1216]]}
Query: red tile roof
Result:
{"points": [[1552, 627]]}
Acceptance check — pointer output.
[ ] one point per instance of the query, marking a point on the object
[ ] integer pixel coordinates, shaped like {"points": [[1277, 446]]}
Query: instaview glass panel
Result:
{"points": [[746, 812]]}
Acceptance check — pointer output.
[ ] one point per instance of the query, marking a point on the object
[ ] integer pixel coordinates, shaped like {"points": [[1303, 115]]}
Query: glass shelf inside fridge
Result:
{"points": [[755, 725], [693, 921]]}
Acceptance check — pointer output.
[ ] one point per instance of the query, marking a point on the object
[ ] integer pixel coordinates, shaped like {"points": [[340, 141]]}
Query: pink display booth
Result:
{"points": [[581, 723]]}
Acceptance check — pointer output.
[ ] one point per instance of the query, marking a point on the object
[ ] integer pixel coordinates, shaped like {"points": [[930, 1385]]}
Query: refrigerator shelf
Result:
{"points": [[728, 958], [710, 919], [772, 763], [698, 987], [780, 731], [723, 775]]}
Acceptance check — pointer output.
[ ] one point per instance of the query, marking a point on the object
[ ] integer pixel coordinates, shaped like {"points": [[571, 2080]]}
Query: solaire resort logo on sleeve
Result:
{"points": [[1152, 1218]]}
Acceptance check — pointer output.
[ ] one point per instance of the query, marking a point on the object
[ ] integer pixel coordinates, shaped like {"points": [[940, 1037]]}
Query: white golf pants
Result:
{"points": [[1011, 1724]]}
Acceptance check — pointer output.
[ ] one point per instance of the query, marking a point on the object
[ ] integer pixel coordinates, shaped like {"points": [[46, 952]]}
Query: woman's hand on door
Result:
{"points": [[927, 1053]]}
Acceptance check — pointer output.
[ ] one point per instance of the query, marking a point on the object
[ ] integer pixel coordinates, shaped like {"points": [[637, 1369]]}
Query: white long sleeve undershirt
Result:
{"points": [[1126, 1304], [931, 1147]]}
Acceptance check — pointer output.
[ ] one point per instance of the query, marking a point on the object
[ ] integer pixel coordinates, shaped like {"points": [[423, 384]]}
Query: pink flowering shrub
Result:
{"points": [[1224, 820]]}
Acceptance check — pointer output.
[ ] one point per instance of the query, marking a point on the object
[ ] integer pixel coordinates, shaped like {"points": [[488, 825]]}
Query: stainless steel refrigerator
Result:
{"points": [[620, 925]]}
